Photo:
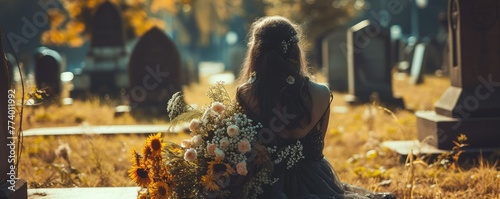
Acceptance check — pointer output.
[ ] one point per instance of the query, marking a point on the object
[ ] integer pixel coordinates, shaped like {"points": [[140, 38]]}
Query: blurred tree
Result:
{"points": [[317, 17], [71, 25]]}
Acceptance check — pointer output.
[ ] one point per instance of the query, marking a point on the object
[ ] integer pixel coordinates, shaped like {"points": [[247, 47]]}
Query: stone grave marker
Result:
{"points": [[418, 64], [154, 72], [15, 74], [369, 62], [471, 105], [334, 59], [47, 71], [107, 26], [397, 44], [105, 70]]}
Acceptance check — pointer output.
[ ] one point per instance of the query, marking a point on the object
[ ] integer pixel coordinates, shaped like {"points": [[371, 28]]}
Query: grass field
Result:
{"points": [[352, 146]]}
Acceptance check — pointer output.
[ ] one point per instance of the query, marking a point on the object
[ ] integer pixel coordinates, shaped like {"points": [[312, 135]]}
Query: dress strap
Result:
{"points": [[326, 110]]}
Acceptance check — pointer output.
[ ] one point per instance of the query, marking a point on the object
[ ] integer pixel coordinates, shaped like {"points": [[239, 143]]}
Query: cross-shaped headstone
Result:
{"points": [[471, 105]]}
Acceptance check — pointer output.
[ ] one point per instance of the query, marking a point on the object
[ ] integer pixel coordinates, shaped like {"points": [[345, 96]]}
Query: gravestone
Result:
{"points": [[13, 68], [434, 57], [471, 105], [418, 64], [369, 62], [334, 59], [407, 51], [47, 71], [105, 69], [396, 44], [10, 187], [154, 72]]}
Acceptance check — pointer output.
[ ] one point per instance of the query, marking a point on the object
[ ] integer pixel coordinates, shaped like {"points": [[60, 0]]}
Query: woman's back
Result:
{"points": [[318, 104], [293, 110]]}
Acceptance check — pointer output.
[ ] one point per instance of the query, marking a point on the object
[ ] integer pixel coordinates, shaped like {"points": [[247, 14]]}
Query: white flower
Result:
{"points": [[233, 130], [224, 143], [190, 155], [290, 80], [217, 107], [244, 146], [196, 140], [219, 153], [211, 149], [241, 168], [194, 125], [186, 144]]}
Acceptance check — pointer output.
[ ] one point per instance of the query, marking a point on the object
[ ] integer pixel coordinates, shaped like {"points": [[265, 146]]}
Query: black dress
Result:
{"points": [[311, 175]]}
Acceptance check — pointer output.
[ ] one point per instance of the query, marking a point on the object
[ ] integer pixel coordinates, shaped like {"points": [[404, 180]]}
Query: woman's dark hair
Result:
{"points": [[273, 59]]}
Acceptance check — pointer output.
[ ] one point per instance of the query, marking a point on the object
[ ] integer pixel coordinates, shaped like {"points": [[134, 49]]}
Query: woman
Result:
{"points": [[278, 93]]}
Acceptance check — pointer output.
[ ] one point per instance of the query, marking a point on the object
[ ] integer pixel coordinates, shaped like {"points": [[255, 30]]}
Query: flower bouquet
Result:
{"points": [[223, 158]]}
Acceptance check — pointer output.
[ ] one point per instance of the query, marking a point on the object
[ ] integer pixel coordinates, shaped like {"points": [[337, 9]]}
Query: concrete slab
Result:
{"points": [[102, 130], [84, 193], [469, 155], [403, 147]]}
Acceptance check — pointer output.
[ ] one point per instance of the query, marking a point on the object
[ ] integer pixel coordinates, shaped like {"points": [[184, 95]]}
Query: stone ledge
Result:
{"points": [[101, 130], [84, 193], [403, 147], [469, 155]]}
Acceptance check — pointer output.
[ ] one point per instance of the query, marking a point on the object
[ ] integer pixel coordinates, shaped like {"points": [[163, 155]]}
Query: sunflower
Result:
{"points": [[139, 175], [160, 190], [154, 142], [208, 182], [142, 195], [135, 157], [217, 166]]}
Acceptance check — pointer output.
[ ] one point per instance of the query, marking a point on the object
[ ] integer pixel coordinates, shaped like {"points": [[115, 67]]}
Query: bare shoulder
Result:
{"points": [[320, 93]]}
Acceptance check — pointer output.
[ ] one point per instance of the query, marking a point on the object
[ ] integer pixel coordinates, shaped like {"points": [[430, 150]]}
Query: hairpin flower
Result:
{"points": [[253, 76], [286, 43], [285, 46], [290, 80]]}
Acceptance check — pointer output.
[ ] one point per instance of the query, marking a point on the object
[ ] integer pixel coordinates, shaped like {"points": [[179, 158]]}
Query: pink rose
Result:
{"points": [[190, 155], [194, 125], [211, 149], [196, 140], [241, 168], [224, 143], [244, 146], [218, 107], [219, 154], [186, 144], [233, 130]]}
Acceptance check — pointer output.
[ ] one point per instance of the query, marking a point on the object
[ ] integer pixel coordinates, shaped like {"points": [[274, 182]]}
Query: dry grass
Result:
{"points": [[352, 146]]}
